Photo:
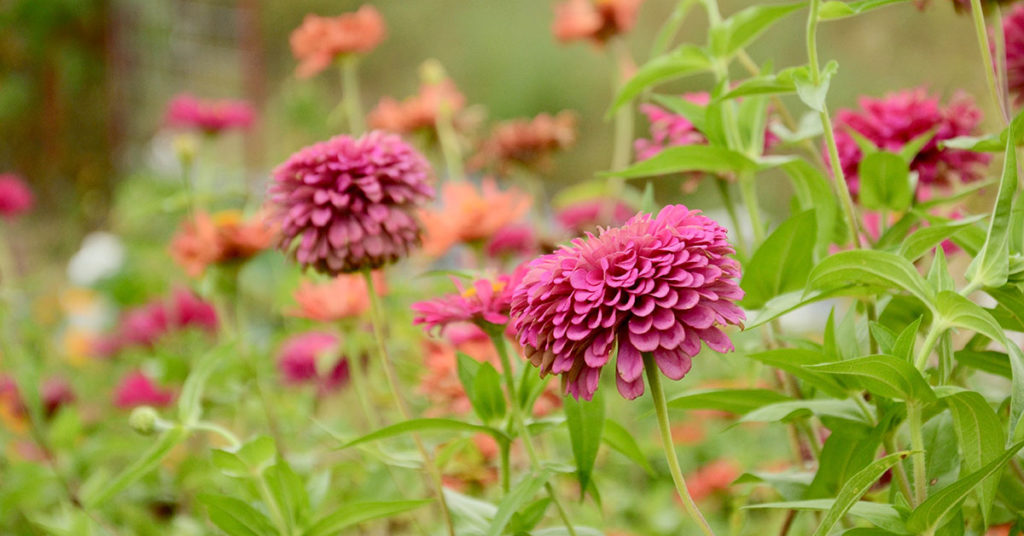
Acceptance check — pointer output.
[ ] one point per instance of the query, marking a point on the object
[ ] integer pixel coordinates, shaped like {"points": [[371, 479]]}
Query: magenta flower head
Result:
{"points": [[1013, 29], [208, 116], [514, 240], [297, 361], [136, 389], [15, 196], [669, 129], [896, 119], [347, 204], [487, 301], [587, 215], [188, 310], [659, 285]]}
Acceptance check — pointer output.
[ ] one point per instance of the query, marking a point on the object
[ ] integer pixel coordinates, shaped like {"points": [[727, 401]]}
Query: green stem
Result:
{"points": [[350, 95], [449, 142], [970, 288], [902, 480], [622, 135], [506, 471], [275, 511], [496, 334], [377, 320], [738, 241], [917, 443], [661, 408], [361, 381], [986, 56], [929, 343], [219, 430], [748, 192]]}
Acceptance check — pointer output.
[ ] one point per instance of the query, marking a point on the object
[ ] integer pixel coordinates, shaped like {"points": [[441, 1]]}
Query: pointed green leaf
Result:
{"points": [[885, 182], [235, 517], [876, 268], [679, 159], [620, 439], [883, 375], [747, 25], [782, 262], [854, 489], [991, 267], [738, 401], [585, 420], [836, 9], [514, 500], [419, 425], [684, 61], [352, 514], [981, 437]]}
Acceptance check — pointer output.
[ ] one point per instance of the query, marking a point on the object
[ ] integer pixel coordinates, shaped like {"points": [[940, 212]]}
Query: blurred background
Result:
{"points": [[83, 83]]}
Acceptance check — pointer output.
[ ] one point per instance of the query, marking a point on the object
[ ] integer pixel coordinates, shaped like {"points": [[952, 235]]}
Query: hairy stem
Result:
{"points": [[917, 443], [990, 66]]}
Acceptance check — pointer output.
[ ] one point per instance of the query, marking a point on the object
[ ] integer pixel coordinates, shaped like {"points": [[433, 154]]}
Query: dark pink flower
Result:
{"points": [[347, 204], [297, 360], [136, 389], [486, 301], [208, 116], [588, 215], [659, 284], [188, 310], [1013, 29], [15, 196], [669, 129], [145, 325], [512, 241], [893, 121], [55, 393]]}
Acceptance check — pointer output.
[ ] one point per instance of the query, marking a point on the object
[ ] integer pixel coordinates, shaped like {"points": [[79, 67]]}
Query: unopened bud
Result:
{"points": [[143, 420]]}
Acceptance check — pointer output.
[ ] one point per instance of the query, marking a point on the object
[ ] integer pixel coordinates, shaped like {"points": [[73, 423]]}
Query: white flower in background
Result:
{"points": [[101, 256]]}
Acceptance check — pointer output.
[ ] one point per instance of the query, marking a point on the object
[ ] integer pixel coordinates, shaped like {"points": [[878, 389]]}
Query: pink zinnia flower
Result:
{"points": [[146, 324], [297, 361], [55, 393], [208, 116], [143, 325], [15, 196], [189, 311], [512, 241], [485, 302], [1013, 29], [587, 215], [893, 121], [136, 389], [660, 284], [348, 203], [669, 129]]}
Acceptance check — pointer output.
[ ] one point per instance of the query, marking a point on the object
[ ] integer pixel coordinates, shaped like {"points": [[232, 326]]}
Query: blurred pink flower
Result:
{"points": [[669, 129], [485, 302], [1013, 29], [660, 284], [527, 142], [15, 196], [189, 311], [208, 116], [146, 324], [588, 215], [136, 389], [515, 240], [55, 393], [298, 356], [321, 40], [348, 204]]}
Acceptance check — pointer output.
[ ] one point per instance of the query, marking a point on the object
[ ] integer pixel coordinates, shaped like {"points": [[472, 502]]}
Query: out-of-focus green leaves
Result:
{"points": [[684, 61], [883, 375], [514, 500], [885, 182], [744, 27], [836, 9], [146, 463], [738, 401], [585, 420], [991, 266], [352, 514], [782, 262], [235, 517]]}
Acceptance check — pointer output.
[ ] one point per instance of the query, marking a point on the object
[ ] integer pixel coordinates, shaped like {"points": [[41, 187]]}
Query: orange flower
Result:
{"points": [[714, 477], [345, 296], [528, 142], [690, 432], [223, 238], [469, 215], [319, 40], [597, 20], [418, 111]]}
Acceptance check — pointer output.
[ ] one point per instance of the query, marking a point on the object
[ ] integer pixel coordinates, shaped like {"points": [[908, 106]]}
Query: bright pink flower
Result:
{"points": [[487, 301], [893, 121], [146, 324], [669, 129], [660, 284], [188, 310], [143, 325], [208, 116], [512, 241], [15, 196], [588, 215], [348, 203], [297, 361], [136, 389], [1013, 29]]}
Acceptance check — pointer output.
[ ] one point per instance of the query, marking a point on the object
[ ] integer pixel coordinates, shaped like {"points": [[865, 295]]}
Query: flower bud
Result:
{"points": [[143, 420]]}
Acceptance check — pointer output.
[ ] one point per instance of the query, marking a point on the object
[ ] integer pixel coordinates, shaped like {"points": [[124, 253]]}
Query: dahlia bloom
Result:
{"points": [[596, 20], [469, 214], [485, 302], [221, 239], [587, 215], [350, 202], [418, 111], [15, 196], [297, 361], [659, 284], [1013, 29], [715, 477], [896, 119], [208, 116], [528, 142], [136, 389], [320, 40], [516, 240], [345, 296]]}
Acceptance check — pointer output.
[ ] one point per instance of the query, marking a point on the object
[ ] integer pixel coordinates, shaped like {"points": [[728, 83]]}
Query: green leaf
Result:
{"points": [[189, 402], [258, 453], [835, 9], [954, 310], [813, 95], [235, 517], [845, 410], [353, 514], [881, 515], [991, 362], [525, 520], [981, 438], [991, 267], [813, 192], [488, 399], [782, 262], [876, 268], [854, 489], [904, 346], [933, 512], [846, 451], [418, 425], [883, 375], [288, 492], [709, 158], [791, 485], [924, 239], [146, 463], [684, 61], [1016, 388], [585, 420], [229, 463], [620, 439], [795, 361], [514, 500], [738, 401], [744, 27], [769, 84], [467, 369], [885, 182]]}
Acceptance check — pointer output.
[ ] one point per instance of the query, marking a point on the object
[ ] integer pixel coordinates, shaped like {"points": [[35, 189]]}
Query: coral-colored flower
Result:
{"points": [[596, 20], [15, 196], [297, 361], [345, 296], [208, 116], [588, 215], [137, 389], [419, 111], [485, 302], [349, 203], [660, 284], [1013, 29], [893, 121], [714, 477], [221, 239], [13, 413], [690, 432], [528, 142], [469, 214], [516, 240], [320, 40]]}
